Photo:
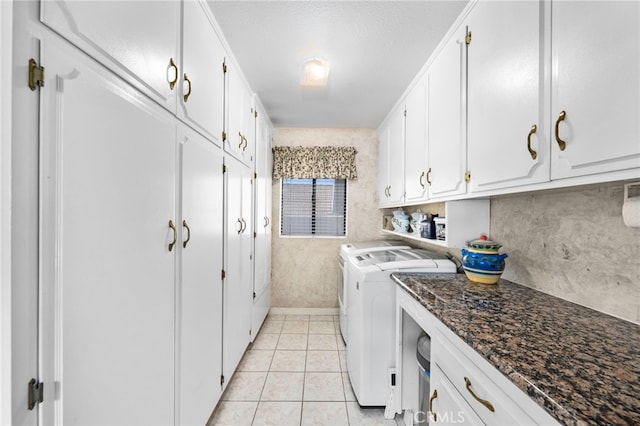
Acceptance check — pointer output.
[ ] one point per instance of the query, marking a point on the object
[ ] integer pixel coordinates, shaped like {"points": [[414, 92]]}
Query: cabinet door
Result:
{"points": [[201, 285], [446, 120], [383, 164], [396, 159], [121, 35], [237, 293], [504, 92], [240, 125], [596, 82], [262, 255], [447, 404], [107, 304], [202, 76], [416, 146]]}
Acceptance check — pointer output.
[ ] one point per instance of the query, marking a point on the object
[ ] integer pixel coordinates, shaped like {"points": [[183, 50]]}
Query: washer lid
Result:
{"points": [[350, 249], [395, 259]]}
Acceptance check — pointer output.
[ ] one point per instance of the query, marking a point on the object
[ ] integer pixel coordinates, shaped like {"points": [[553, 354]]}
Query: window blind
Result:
{"points": [[313, 207]]}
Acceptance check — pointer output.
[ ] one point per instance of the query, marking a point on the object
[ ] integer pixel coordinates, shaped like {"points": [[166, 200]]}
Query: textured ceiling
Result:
{"points": [[375, 49]]}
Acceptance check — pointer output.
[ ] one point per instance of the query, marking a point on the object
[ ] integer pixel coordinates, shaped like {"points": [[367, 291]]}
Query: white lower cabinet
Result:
{"points": [[200, 291], [465, 389], [489, 401], [238, 264], [107, 303], [132, 239], [446, 405]]}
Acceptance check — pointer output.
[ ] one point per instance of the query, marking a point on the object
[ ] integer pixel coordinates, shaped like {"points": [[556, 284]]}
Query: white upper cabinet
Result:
{"points": [[201, 93], [122, 35], [240, 118], [595, 87], [507, 137], [416, 146], [446, 120], [391, 160]]}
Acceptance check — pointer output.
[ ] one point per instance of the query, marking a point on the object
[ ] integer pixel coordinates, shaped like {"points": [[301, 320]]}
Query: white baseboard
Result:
{"points": [[304, 311]]}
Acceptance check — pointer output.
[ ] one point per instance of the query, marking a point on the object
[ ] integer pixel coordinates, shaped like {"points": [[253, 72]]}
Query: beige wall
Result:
{"points": [[572, 244], [304, 270]]}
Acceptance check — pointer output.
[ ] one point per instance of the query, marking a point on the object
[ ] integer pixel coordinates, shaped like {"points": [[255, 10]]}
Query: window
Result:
{"points": [[313, 207]]}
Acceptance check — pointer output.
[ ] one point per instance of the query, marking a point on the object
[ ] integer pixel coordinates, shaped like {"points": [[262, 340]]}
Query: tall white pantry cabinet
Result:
{"points": [[134, 313]]}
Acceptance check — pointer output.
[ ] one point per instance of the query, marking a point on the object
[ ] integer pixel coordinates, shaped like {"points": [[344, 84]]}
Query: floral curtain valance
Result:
{"points": [[316, 162]]}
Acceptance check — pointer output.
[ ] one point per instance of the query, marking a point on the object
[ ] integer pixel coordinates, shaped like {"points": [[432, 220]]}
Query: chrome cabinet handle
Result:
{"points": [[480, 400], [175, 235], [244, 225], [241, 140], [240, 229], [429, 176], [172, 64], [533, 153], [420, 179], [266, 221], [184, 243], [562, 144], [186, 95], [434, 395]]}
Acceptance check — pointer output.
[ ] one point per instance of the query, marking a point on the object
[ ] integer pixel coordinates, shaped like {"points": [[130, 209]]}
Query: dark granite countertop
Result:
{"points": [[581, 365]]}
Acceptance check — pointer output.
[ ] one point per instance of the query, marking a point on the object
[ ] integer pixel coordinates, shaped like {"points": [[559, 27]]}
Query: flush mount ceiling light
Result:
{"points": [[315, 72]]}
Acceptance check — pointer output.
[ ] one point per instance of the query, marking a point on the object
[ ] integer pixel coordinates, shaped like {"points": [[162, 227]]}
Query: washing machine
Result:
{"points": [[351, 249], [371, 311]]}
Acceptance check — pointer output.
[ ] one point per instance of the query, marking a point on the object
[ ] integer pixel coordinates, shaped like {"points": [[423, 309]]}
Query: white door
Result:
{"points": [[596, 83], [237, 289], [122, 35], [446, 120], [416, 144], [201, 284], [507, 136], [202, 77], [107, 291]]}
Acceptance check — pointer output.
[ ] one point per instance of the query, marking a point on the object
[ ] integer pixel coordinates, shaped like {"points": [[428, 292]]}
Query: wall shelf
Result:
{"points": [[466, 220], [414, 237]]}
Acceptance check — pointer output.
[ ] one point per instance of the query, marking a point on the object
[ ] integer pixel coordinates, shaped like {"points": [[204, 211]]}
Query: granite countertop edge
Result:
{"points": [[473, 311]]}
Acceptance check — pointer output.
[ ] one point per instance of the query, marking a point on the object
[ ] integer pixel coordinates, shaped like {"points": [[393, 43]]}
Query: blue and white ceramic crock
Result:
{"points": [[481, 261]]}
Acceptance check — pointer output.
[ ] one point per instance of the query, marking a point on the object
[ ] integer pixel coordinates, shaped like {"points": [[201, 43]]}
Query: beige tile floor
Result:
{"points": [[294, 373]]}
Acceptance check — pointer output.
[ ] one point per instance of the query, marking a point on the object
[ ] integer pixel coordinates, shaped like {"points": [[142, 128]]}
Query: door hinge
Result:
{"points": [[255, 234], [35, 393], [224, 168], [255, 175], [256, 114], [223, 275], [467, 39], [405, 112], [467, 177], [254, 294], [221, 380], [224, 67], [224, 136], [36, 75]]}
